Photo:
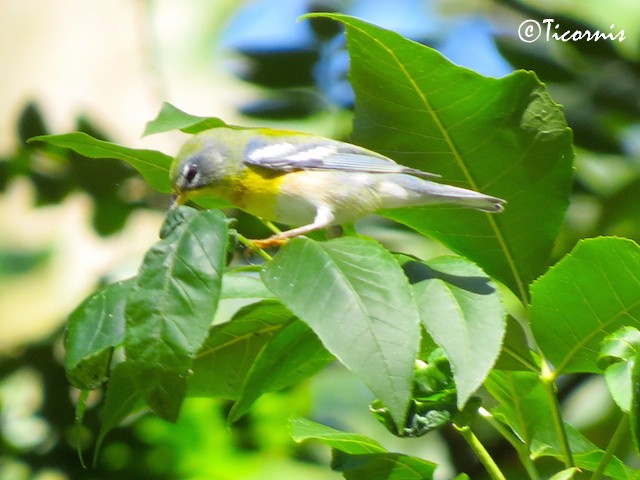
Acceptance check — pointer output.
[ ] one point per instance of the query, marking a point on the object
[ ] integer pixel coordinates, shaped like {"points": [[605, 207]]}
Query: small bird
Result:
{"points": [[304, 181]]}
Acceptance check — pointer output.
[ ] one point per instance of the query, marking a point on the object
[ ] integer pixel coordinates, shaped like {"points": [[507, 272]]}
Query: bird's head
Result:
{"points": [[200, 167]]}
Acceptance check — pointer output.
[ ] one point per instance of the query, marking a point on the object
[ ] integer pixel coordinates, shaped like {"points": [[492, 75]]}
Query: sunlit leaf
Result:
{"points": [[462, 310], [618, 356], [153, 165], [589, 294], [172, 118], [503, 137], [354, 296]]}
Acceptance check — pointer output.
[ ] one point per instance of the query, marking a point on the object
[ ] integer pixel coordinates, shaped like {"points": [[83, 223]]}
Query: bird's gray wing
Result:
{"points": [[286, 156]]}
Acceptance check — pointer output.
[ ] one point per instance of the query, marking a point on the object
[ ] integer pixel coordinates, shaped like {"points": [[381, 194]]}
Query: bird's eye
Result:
{"points": [[190, 172]]}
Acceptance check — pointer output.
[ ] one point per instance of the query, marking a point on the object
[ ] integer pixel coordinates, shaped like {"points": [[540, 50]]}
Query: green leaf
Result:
{"points": [[171, 307], [302, 429], [243, 285], [586, 455], [461, 309], [382, 466], [93, 330], [522, 406], [153, 165], [123, 397], [81, 408], [357, 300], [358, 456], [566, 474], [515, 354], [618, 356], [293, 354], [635, 402], [589, 294], [522, 403], [172, 118], [224, 360], [503, 137]]}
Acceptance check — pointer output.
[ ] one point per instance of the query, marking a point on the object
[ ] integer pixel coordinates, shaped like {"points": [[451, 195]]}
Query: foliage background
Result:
{"points": [[106, 66]]}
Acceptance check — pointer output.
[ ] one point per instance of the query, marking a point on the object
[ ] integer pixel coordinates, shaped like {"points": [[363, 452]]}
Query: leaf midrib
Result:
{"points": [[522, 290]]}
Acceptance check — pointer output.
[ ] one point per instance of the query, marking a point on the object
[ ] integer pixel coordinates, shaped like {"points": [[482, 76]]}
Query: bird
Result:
{"points": [[304, 181]]}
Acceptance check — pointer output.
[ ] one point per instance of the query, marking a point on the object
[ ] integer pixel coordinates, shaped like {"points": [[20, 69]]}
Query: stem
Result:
{"points": [[521, 449], [616, 439], [251, 246], [481, 452], [548, 381], [270, 226]]}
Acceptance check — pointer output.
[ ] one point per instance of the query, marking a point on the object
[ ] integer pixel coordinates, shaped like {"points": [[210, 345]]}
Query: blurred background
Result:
{"points": [[69, 224]]}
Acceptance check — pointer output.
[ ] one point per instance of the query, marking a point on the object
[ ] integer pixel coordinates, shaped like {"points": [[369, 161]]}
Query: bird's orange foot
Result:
{"points": [[273, 241]]}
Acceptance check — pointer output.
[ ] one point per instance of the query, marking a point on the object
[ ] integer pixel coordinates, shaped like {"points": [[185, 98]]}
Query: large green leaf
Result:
{"points": [[589, 294], [504, 137], [462, 310], [153, 165], [355, 297], [93, 330], [222, 364], [171, 307]]}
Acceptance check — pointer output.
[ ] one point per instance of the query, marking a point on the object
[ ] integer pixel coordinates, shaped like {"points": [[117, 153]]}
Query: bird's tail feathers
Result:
{"points": [[418, 191]]}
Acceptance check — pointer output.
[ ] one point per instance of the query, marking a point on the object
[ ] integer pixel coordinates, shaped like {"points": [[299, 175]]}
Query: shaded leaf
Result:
{"points": [[124, 396], [153, 165], [586, 455], [566, 474], [93, 330], [222, 364], [171, 307], [503, 137], [635, 402], [589, 294], [358, 302], [302, 429], [523, 406], [382, 466], [515, 354], [522, 403], [293, 354]]}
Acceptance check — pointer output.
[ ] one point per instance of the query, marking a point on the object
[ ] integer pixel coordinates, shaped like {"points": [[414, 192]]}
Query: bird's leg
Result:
{"points": [[324, 217]]}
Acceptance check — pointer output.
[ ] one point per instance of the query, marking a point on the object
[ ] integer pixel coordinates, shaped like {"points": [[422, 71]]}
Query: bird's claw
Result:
{"points": [[273, 241]]}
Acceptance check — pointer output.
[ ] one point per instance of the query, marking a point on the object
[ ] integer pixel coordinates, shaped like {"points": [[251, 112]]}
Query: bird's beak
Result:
{"points": [[176, 200]]}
